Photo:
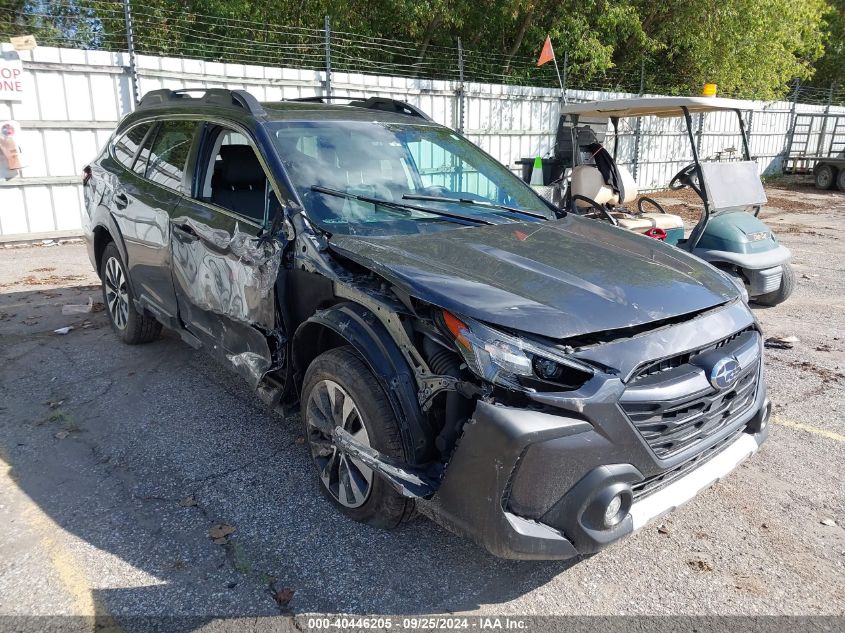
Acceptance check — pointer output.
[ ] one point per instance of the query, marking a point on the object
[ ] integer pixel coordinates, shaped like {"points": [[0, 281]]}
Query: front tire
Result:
{"points": [[340, 390], [787, 285], [131, 326]]}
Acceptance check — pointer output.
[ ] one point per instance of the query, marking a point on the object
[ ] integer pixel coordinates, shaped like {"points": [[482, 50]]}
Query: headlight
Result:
{"points": [[510, 361]]}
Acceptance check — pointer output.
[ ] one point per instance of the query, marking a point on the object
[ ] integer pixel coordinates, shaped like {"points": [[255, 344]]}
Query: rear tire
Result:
{"points": [[840, 180], [787, 285], [825, 177], [131, 326], [338, 383]]}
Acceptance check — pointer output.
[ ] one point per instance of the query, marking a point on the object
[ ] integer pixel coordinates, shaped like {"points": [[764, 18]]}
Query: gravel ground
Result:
{"points": [[117, 461]]}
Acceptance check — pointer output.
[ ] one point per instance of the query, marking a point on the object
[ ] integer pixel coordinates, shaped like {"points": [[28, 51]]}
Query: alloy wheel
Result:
{"points": [[117, 295], [346, 478]]}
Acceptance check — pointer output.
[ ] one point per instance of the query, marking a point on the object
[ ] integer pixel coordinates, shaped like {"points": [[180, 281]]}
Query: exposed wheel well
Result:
{"points": [[102, 237], [312, 340]]}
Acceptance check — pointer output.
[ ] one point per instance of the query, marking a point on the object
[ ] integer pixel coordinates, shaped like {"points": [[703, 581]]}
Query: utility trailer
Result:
{"points": [[817, 146]]}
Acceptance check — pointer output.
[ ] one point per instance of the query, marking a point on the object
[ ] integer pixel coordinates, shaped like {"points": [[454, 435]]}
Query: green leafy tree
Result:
{"points": [[751, 48], [830, 69], [747, 47]]}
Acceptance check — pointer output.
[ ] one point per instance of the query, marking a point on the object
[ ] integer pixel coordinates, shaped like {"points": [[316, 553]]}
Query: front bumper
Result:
{"points": [[474, 497], [684, 489], [752, 261], [535, 482]]}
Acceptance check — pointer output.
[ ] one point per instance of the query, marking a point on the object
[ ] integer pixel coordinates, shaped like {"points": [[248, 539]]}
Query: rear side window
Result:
{"points": [[140, 167], [126, 146], [169, 152]]}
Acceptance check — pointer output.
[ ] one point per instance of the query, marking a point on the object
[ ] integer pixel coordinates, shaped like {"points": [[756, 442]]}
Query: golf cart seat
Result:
{"points": [[645, 221], [588, 182]]}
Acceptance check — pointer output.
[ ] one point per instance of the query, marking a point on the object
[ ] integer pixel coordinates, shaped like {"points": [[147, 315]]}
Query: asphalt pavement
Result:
{"points": [[122, 470]]}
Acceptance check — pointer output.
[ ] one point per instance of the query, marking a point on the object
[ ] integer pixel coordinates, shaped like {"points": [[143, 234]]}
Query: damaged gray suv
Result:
{"points": [[540, 383]]}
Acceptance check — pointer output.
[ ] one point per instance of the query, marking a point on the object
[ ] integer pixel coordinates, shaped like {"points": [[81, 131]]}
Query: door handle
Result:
{"points": [[185, 233], [121, 201]]}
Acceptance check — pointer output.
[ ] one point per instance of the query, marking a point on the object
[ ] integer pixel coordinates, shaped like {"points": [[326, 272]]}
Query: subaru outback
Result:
{"points": [[537, 382]]}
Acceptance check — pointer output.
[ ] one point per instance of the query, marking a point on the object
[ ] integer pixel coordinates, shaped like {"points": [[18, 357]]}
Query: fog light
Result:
{"points": [[612, 516]]}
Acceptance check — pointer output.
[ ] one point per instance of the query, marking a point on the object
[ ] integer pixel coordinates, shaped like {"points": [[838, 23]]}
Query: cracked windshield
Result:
{"points": [[370, 178]]}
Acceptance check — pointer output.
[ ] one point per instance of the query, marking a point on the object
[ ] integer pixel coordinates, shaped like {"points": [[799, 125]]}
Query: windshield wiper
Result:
{"points": [[480, 203], [399, 205]]}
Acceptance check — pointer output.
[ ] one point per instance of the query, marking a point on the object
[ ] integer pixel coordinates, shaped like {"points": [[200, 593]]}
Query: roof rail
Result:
{"points": [[373, 103], [212, 96]]}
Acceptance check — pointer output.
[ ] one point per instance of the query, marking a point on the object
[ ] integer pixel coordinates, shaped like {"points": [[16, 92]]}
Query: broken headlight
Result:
{"points": [[512, 362]]}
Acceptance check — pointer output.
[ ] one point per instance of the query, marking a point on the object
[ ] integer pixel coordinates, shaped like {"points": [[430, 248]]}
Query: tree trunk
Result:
{"points": [[517, 40], [427, 37]]}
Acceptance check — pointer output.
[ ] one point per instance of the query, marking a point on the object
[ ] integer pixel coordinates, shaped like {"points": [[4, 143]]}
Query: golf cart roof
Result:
{"points": [[650, 106]]}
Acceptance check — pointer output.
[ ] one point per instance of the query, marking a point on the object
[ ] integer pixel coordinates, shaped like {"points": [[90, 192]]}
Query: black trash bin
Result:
{"points": [[552, 169]]}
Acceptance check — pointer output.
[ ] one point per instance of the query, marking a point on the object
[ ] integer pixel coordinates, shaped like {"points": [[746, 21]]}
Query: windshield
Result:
{"points": [[343, 169]]}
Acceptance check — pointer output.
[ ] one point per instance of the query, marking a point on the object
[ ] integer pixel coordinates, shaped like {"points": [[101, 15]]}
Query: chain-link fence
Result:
{"points": [[89, 69], [135, 27]]}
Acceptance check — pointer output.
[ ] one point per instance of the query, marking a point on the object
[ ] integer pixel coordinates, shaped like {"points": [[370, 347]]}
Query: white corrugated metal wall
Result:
{"points": [[74, 98]]}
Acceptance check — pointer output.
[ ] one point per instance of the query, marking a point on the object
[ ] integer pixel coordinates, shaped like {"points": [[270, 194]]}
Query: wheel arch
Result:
{"points": [[106, 232], [354, 325], [102, 237]]}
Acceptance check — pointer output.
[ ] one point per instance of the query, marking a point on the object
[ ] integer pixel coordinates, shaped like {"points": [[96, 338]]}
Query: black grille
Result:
{"points": [[681, 359], [659, 481], [673, 425]]}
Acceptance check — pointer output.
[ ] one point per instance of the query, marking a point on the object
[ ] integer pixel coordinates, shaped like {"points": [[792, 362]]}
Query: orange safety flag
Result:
{"points": [[547, 54]]}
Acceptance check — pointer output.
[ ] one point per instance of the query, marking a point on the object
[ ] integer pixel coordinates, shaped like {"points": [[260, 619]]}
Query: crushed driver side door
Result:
{"points": [[224, 274]]}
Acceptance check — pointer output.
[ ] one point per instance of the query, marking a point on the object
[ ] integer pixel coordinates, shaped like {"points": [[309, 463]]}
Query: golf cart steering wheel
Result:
{"points": [[644, 200], [684, 178], [602, 210]]}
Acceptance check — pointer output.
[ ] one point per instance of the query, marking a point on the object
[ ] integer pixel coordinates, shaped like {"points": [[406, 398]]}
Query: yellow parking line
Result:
{"points": [[68, 569], [810, 429]]}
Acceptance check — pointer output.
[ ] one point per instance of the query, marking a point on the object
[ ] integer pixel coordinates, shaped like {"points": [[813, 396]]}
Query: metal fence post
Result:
{"points": [[749, 131], [328, 35], [699, 133], [565, 75], [130, 48], [460, 91], [642, 77], [638, 129]]}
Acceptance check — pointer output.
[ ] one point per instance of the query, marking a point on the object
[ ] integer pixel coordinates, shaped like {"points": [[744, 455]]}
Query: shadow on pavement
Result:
{"points": [[137, 452]]}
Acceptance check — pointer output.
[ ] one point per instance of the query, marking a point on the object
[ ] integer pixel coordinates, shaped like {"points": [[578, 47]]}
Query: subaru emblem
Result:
{"points": [[724, 373]]}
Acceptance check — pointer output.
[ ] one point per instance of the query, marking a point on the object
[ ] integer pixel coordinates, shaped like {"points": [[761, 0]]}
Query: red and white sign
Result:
{"points": [[11, 77]]}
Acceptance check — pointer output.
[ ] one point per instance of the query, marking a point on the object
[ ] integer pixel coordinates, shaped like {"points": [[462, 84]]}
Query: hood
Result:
{"points": [[559, 279]]}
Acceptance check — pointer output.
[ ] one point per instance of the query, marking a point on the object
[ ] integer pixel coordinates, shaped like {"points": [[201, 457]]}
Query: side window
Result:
{"points": [[127, 145], [169, 152], [234, 178], [140, 167]]}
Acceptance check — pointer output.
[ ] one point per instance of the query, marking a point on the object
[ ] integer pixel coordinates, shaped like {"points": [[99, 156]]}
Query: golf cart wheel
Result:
{"points": [[787, 285], [130, 325], [340, 390], [825, 177], [840, 180]]}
